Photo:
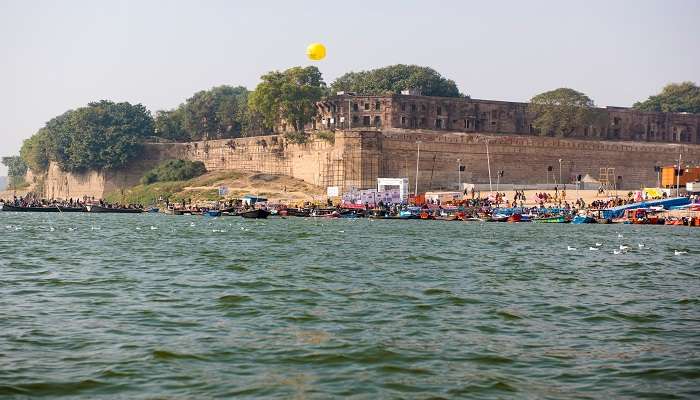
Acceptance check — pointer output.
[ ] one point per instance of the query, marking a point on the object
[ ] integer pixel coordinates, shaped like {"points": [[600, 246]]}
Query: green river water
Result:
{"points": [[162, 307]]}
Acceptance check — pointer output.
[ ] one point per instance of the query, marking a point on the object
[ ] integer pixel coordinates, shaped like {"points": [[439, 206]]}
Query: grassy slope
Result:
{"points": [[205, 188]]}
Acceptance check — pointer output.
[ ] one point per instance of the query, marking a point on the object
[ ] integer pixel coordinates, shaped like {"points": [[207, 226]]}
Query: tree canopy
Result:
{"points": [[675, 97], [395, 78], [16, 169], [102, 135], [218, 113], [560, 111], [290, 95]]}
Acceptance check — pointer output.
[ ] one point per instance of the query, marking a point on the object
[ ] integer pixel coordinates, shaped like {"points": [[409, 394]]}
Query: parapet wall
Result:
{"points": [[357, 158], [524, 160]]}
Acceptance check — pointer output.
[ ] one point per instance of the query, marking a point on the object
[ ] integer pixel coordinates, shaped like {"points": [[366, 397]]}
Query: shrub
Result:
{"points": [[328, 136], [297, 137], [174, 170]]}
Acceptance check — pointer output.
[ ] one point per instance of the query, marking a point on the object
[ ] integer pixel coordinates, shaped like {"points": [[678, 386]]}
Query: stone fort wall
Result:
{"points": [[357, 158]]}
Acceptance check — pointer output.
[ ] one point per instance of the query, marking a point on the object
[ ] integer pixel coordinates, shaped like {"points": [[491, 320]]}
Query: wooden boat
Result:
{"points": [[298, 212], [213, 213], [515, 218], [257, 213], [498, 218], [557, 219], [7, 207], [674, 221], [94, 208], [583, 219], [426, 215], [643, 216]]}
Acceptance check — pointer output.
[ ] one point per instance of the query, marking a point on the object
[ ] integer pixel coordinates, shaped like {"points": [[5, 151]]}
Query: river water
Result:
{"points": [[153, 306]]}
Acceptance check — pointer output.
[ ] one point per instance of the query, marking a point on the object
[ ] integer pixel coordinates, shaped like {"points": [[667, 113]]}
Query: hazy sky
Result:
{"points": [[58, 55]]}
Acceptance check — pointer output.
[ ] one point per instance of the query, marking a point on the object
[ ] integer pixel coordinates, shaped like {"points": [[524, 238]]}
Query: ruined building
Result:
{"points": [[410, 111]]}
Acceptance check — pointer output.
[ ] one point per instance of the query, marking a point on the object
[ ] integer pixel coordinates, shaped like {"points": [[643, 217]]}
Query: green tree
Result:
{"points": [[170, 125], [395, 78], [290, 96], [106, 135], [16, 169], [218, 113], [560, 111], [675, 97], [35, 151], [103, 135]]}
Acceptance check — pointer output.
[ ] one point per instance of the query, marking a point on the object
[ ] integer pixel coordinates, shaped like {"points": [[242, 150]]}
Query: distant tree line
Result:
{"points": [[107, 135], [16, 170]]}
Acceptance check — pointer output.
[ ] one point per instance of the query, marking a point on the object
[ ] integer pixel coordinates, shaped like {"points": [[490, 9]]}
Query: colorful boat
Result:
{"points": [[557, 219], [515, 218], [583, 219], [213, 213]]}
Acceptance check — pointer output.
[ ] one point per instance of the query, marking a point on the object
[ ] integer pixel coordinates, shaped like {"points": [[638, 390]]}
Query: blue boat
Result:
{"points": [[618, 212], [213, 213], [583, 219]]}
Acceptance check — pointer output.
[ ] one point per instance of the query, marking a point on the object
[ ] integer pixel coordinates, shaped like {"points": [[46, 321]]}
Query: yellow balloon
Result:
{"points": [[316, 51]]}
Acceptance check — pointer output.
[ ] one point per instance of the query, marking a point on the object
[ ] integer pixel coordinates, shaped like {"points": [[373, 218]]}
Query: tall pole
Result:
{"points": [[488, 163], [678, 176], [349, 117], [560, 181], [459, 173], [417, 162]]}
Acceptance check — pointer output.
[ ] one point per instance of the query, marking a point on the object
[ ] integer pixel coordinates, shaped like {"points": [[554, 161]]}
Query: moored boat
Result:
{"points": [[7, 207], [557, 219], [515, 218], [257, 213], [583, 219], [94, 208]]}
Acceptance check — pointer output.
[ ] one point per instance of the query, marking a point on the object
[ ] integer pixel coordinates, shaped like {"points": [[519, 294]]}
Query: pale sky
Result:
{"points": [[58, 55]]}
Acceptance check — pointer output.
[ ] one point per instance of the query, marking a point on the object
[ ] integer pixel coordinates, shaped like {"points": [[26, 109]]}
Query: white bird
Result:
{"points": [[94, 228], [617, 252], [619, 236], [71, 229], [138, 228], [153, 228], [598, 244], [641, 245], [623, 248], [678, 253], [570, 248], [191, 223], [593, 248], [51, 228]]}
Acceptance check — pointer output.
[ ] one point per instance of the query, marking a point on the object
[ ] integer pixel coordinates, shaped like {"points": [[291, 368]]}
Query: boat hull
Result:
{"points": [[551, 220], [255, 214], [7, 207], [105, 210]]}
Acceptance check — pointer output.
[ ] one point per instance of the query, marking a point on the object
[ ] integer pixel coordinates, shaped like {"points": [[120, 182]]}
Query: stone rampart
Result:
{"points": [[357, 158]]}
